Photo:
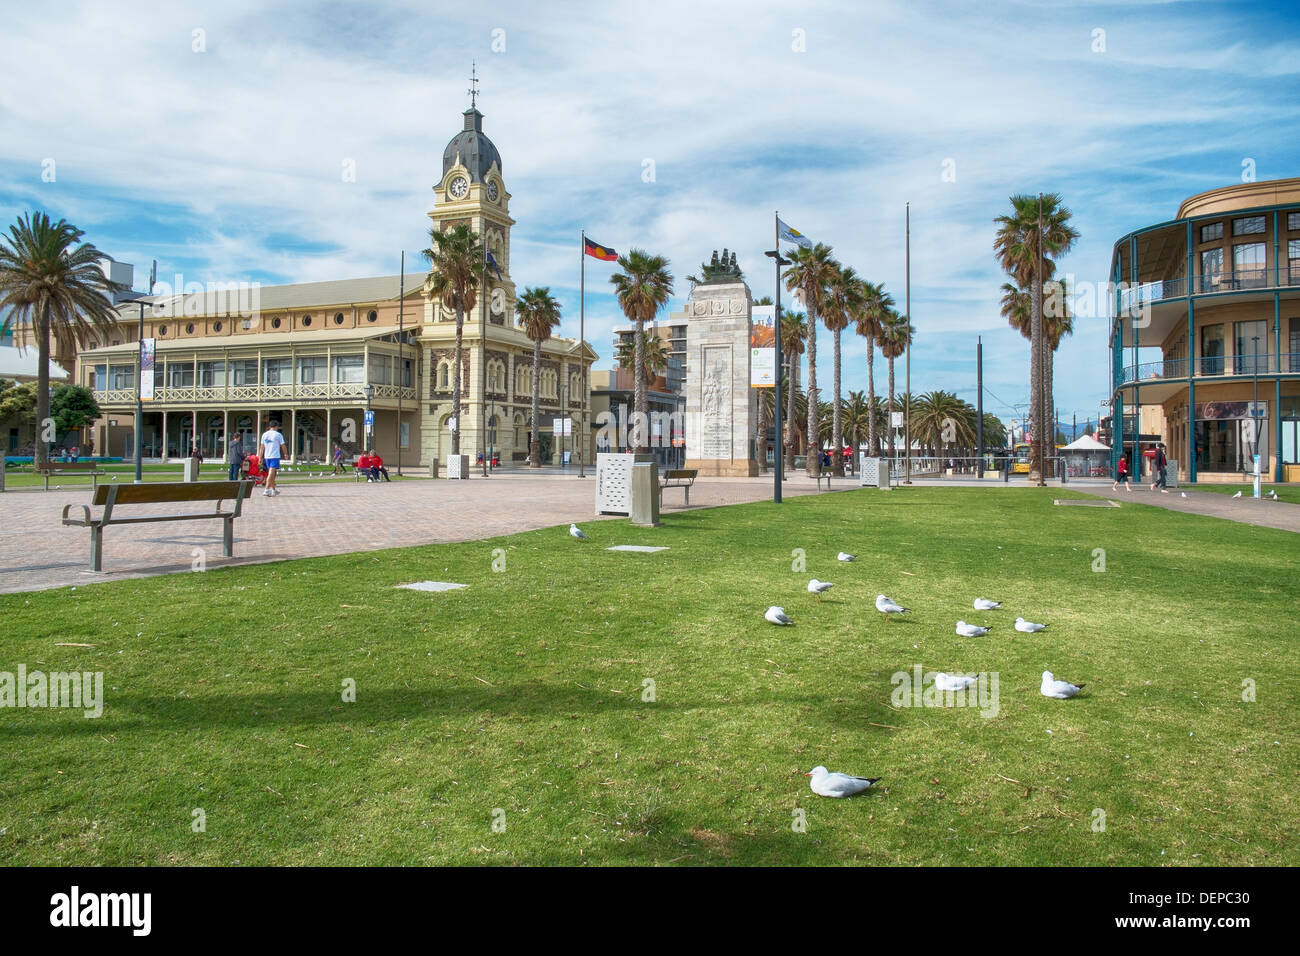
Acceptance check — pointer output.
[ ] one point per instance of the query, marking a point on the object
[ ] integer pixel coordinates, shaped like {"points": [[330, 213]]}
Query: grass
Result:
{"points": [[522, 699], [1289, 493]]}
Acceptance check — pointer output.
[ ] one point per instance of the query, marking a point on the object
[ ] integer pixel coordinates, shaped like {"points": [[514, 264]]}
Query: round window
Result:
{"points": [[372, 316], [306, 320], [162, 330], [338, 319], [189, 328], [275, 322], [216, 326]]}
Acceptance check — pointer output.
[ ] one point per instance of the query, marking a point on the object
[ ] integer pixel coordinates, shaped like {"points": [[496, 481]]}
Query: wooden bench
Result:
{"points": [[677, 478], [111, 497], [824, 476], [69, 467]]}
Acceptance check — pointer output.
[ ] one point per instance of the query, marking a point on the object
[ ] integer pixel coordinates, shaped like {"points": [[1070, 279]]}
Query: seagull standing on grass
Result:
{"points": [[971, 630], [1237, 495], [1059, 689], [576, 532], [887, 606], [845, 556], [816, 588], [984, 604], [952, 681], [827, 784], [1028, 627], [777, 615]]}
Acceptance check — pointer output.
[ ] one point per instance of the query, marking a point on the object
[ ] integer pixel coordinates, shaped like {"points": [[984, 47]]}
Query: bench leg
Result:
{"points": [[228, 538], [688, 495], [97, 549]]}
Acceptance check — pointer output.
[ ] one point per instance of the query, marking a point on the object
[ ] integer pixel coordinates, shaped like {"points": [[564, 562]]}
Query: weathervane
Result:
{"points": [[473, 90]]}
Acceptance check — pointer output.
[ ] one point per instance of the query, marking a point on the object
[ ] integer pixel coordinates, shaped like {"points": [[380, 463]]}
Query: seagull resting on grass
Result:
{"points": [[1059, 689], [1028, 627], [887, 606], [777, 615], [576, 532], [971, 630], [984, 604], [952, 681], [816, 588], [827, 784], [845, 556]]}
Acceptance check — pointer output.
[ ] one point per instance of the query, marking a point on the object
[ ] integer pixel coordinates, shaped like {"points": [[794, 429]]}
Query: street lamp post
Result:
{"points": [[1254, 413], [778, 465]]}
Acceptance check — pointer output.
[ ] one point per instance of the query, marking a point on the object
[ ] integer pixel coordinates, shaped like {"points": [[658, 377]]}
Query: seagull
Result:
{"points": [[776, 615], [816, 588], [845, 556], [576, 532], [827, 784], [952, 681], [1183, 493], [888, 606], [1274, 496], [1237, 495], [1028, 627], [1060, 689], [984, 604], [971, 630]]}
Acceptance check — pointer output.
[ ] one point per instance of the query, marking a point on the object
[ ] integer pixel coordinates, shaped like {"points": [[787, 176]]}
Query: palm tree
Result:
{"points": [[538, 313], [55, 290], [943, 419], [873, 303], [455, 258], [643, 288], [995, 433], [857, 419], [809, 276], [654, 354], [896, 336], [794, 333], [1038, 227], [842, 302], [1057, 324]]}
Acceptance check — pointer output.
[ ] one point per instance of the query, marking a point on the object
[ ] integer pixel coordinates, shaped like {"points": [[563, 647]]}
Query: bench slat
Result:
{"points": [[160, 493]]}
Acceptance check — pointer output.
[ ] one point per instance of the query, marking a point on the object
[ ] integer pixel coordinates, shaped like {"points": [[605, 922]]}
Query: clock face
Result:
{"points": [[492, 191], [459, 187]]}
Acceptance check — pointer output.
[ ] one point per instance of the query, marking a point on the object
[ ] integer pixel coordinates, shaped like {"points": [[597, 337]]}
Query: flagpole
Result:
{"points": [[582, 341], [778, 456], [401, 356], [907, 329], [482, 359]]}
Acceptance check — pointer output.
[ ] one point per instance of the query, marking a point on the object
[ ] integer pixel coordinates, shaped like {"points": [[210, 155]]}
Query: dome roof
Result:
{"points": [[475, 150]]}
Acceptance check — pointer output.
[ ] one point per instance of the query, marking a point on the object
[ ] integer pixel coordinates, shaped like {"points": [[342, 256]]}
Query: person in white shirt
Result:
{"points": [[272, 445]]}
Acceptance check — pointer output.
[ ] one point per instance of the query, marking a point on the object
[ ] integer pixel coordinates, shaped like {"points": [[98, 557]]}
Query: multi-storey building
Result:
{"points": [[1207, 327]]}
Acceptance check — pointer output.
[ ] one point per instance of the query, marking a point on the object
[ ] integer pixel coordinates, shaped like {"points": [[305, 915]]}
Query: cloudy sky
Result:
{"points": [[212, 137]]}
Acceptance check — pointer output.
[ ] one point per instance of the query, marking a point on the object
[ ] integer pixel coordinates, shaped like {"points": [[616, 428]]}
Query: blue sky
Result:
{"points": [[225, 164]]}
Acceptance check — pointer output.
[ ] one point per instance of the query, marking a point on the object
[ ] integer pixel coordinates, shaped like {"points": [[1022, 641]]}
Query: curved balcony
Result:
{"points": [[1237, 281], [305, 392], [1221, 366]]}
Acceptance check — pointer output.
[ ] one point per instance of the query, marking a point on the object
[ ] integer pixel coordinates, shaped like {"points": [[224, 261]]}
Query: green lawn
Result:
{"points": [[524, 694], [1289, 493]]}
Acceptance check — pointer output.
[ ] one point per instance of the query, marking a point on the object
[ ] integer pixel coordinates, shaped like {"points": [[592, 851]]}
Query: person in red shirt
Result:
{"points": [[377, 467], [362, 465], [1121, 474]]}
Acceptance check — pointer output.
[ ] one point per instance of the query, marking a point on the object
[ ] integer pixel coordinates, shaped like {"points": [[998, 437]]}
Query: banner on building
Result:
{"points": [[762, 347], [562, 427], [147, 356]]}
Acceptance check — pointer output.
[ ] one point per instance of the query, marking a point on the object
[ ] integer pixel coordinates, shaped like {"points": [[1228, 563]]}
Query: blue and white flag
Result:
{"points": [[790, 234], [495, 268]]}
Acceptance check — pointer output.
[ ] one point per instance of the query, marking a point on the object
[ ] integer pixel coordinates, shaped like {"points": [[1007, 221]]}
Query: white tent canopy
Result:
{"points": [[22, 364], [1086, 443]]}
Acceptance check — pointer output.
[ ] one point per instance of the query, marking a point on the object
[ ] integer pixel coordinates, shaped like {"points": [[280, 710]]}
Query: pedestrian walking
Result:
{"points": [[1161, 464], [235, 456], [338, 459], [273, 445], [1121, 475]]}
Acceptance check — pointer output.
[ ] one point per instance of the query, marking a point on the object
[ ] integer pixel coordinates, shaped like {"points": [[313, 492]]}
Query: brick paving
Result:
{"points": [[313, 519]]}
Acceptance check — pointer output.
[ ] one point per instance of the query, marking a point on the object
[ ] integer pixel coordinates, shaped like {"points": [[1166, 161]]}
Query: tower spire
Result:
{"points": [[473, 85]]}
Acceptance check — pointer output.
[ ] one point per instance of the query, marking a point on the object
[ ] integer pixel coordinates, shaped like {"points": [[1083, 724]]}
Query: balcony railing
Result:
{"points": [[1241, 279], [203, 394], [1213, 366]]}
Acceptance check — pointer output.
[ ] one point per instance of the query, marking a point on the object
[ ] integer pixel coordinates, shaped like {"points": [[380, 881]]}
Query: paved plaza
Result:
{"points": [[310, 520]]}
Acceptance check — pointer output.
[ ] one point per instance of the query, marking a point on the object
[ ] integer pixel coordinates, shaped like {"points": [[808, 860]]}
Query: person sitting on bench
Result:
{"points": [[376, 466]]}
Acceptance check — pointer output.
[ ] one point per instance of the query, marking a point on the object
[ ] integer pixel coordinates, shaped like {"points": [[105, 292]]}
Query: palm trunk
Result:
{"points": [[1049, 357], [535, 439], [40, 450], [760, 440], [1036, 445], [456, 372], [789, 418], [837, 435], [642, 425], [812, 453], [873, 439]]}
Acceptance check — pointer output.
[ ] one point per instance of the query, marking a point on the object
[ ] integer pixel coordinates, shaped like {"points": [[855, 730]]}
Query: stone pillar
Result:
{"points": [[721, 409]]}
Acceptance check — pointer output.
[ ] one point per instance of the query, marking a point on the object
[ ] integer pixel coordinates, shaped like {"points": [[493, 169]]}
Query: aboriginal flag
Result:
{"points": [[599, 252]]}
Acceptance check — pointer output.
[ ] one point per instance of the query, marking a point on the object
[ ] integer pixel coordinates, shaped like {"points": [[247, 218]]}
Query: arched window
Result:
{"points": [[444, 375]]}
